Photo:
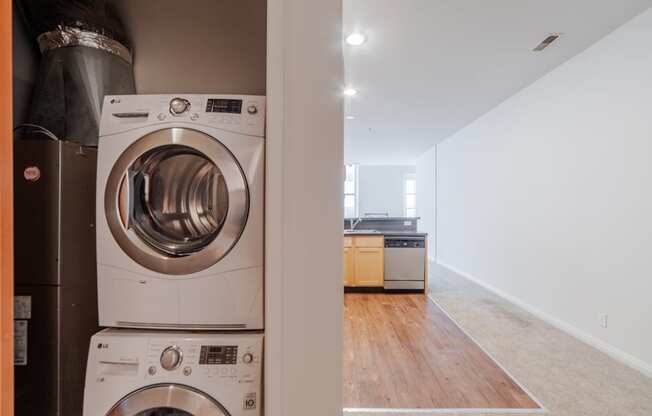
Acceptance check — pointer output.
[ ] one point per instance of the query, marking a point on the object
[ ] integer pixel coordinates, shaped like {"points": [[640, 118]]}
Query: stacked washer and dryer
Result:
{"points": [[180, 202]]}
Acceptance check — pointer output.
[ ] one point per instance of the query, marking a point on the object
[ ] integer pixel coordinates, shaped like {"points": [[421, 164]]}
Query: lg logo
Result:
{"points": [[101, 346]]}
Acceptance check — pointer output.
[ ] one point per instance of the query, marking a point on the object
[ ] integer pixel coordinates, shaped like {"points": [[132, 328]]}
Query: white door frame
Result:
{"points": [[304, 210]]}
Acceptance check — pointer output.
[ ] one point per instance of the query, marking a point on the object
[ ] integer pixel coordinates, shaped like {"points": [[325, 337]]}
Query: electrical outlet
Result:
{"points": [[604, 320]]}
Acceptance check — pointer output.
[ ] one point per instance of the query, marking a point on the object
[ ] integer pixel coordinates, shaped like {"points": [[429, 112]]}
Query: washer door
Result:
{"points": [[167, 400], [176, 201]]}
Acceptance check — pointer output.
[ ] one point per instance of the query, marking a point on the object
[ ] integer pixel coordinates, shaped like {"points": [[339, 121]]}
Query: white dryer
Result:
{"points": [[154, 373], [180, 205]]}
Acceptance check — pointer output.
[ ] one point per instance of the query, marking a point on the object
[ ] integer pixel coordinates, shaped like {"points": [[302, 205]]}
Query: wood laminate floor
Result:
{"points": [[403, 351]]}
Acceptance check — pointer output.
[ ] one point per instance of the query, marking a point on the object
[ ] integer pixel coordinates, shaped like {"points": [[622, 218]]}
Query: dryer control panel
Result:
{"points": [[223, 105], [236, 113]]}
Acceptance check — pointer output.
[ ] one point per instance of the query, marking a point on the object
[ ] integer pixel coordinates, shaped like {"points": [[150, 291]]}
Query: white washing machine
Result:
{"points": [[180, 205], [154, 373]]}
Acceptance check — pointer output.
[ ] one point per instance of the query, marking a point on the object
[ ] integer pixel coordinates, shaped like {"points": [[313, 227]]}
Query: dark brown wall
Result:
{"points": [[26, 58], [199, 46]]}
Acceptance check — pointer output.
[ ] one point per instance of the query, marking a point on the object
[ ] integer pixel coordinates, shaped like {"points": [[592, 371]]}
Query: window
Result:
{"points": [[350, 191], [410, 195]]}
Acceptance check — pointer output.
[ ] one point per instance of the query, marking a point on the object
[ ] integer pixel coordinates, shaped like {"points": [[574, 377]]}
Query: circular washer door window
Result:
{"points": [[167, 400], [176, 201]]}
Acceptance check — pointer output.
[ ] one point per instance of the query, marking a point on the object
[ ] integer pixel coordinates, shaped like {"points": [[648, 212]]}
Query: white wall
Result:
{"points": [[548, 198], [426, 174], [303, 266], [380, 189]]}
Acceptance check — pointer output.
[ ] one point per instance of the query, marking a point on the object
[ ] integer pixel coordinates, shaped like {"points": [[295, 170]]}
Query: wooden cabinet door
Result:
{"points": [[369, 266], [349, 266]]}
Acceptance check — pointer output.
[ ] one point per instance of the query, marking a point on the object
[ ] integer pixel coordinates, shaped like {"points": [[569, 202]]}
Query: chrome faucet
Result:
{"points": [[355, 223]]}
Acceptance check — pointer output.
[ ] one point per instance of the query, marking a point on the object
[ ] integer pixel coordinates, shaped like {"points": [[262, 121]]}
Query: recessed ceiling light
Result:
{"points": [[350, 92], [356, 39], [350, 117]]}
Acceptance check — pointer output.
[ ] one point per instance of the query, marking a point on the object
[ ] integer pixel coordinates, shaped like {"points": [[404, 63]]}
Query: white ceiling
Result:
{"points": [[430, 67]]}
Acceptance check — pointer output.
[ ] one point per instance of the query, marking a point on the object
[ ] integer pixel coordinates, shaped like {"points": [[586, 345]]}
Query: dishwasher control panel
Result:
{"points": [[404, 242]]}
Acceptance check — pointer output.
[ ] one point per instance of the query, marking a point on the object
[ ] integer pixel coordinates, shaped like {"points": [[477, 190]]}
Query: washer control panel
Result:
{"points": [[224, 366], [218, 355], [239, 359]]}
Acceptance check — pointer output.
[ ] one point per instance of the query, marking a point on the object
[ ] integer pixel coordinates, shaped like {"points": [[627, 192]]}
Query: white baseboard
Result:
{"points": [[615, 353]]}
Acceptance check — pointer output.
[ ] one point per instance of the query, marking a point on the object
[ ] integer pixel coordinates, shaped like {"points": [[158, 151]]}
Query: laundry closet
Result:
{"points": [[139, 198]]}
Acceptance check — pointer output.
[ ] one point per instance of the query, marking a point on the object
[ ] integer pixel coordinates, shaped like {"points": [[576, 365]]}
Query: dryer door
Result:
{"points": [[167, 400], [176, 201]]}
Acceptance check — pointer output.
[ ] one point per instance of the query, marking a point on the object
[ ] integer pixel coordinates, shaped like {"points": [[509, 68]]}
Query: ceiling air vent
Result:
{"points": [[547, 42]]}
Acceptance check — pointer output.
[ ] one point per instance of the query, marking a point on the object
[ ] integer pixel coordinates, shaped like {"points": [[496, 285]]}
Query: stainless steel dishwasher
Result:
{"points": [[405, 262]]}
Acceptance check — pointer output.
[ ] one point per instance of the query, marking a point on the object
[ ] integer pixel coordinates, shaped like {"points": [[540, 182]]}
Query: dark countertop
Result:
{"points": [[390, 233]]}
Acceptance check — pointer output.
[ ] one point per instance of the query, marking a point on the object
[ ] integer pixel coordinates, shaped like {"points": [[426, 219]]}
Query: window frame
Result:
{"points": [[355, 193], [409, 177]]}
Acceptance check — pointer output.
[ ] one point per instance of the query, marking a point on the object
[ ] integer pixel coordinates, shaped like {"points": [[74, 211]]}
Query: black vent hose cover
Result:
{"points": [[84, 57], [97, 16]]}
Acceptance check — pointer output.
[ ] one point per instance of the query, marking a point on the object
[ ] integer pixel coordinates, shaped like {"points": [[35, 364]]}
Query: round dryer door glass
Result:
{"points": [[176, 201], [167, 400], [180, 199]]}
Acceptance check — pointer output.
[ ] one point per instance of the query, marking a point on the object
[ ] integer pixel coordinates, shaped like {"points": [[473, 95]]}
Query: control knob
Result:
{"points": [[179, 106], [171, 358], [247, 358], [252, 109]]}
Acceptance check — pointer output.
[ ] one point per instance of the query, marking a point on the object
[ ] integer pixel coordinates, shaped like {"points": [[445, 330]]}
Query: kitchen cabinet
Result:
{"points": [[349, 266], [363, 261], [369, 267]]}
